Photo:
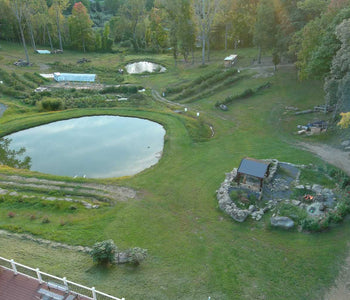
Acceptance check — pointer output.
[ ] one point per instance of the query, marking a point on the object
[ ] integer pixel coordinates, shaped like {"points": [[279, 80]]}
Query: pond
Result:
{"points": [[92, 147], [144, 66]]}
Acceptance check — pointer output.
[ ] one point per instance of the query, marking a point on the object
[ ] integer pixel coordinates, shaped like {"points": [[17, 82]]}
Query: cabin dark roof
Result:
{"points": [[253, 167]]}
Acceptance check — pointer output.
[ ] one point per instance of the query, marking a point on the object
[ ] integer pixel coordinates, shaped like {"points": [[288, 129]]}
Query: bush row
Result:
{"points": [[206, 84], [12, 92], [213, 90], [124, 89], [245, 94], [200, 79], [11, 81], [35, 77]]}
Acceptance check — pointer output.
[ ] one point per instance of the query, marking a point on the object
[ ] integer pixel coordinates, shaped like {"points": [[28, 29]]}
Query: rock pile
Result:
{"points": [[225, 202], [323, 199]]}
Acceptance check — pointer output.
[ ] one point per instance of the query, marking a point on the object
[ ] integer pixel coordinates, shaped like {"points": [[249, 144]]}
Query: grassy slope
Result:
{"points": [[194, 249]]}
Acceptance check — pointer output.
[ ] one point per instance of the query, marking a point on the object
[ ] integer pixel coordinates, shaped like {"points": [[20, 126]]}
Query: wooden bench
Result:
{"points": [[56, 286]]}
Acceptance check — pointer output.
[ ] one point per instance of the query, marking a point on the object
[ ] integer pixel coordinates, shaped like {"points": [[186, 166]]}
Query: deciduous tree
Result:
{"points": [[59, 6], [337, 84], [265, 27], [205, 11], [80, 28]]}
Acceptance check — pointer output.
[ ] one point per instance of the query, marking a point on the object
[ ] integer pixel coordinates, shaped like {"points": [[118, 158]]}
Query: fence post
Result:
{"points": [[38, 275], [13, 266], [93, 293], [65, 281]]}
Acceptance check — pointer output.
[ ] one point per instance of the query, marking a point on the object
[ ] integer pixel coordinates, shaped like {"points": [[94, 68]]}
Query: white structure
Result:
{"points": [[74, 77], [229, 61], [70, 286]]}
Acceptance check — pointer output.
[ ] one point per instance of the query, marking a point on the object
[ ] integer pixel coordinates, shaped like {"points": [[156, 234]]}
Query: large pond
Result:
{"points": [[92, 147], [144, 66]]}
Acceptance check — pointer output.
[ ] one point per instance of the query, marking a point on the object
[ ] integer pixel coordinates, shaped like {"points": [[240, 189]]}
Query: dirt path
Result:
{"points": [[340, 159], [336, 157], [341, 288]]}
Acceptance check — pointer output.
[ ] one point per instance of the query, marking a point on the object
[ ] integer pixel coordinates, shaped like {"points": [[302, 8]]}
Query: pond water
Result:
{"points": [[144, 66], [92, 147]]}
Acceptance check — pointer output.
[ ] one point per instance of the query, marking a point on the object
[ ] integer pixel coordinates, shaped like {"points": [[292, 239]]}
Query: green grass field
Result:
{"points": [[195, 250]]}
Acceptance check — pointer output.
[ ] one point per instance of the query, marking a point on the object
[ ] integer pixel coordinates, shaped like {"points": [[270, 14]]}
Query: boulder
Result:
{"points": [[282, 222], [346, 143]]}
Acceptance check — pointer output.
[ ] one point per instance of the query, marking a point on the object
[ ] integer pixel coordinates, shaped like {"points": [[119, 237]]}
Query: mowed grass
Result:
{"points": [[195, 250]]}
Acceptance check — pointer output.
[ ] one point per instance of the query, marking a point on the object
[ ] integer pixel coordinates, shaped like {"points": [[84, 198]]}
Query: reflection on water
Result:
{"points": [[94, 147], [144, 66], [13, 158]]}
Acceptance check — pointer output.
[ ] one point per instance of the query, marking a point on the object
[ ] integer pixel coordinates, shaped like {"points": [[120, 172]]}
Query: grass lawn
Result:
{"points": [[195, 250]]}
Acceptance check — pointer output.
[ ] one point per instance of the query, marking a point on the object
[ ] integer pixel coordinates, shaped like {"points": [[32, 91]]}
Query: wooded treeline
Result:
{"points": [[312, 33]]}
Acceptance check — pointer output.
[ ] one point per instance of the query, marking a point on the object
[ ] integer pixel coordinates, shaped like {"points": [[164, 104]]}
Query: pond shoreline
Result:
{"points": [[3, 107]]}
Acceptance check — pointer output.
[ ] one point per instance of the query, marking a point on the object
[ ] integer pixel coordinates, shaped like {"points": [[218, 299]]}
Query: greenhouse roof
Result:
{"points": [[74, 77]]}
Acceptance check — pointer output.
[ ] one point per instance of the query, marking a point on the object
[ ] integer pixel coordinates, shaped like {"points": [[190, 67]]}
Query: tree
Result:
{"points": [[337, 84], [316, 44], [80, 28], [104, 252], [186, 30], [157, 36], [59, 6], [205, 11], [12, 158], [265, 27], [106, 42], [19, 10], [345, 120], [133, 11], [7, 21]]}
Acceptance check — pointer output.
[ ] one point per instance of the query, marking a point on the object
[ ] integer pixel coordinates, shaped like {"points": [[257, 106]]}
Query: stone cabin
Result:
{"points": [[253, 172]]}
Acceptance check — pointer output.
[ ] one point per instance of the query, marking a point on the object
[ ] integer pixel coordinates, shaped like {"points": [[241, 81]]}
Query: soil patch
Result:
{"points": [[112, 193]]}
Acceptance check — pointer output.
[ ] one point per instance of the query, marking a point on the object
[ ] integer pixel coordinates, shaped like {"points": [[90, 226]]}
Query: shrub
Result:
{"points": [[51, 104], [104, 252], [136, 255], [45, 220], [310, 224], [335, 217], [11, 214]]}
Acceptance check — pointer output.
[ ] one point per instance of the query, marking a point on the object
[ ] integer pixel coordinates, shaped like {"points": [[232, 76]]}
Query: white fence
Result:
{"points": [[42, 277]]}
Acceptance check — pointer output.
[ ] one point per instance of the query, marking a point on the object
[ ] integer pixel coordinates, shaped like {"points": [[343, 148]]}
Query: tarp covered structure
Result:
{"points": [[74, 77], [43, 51], [230, 60]]}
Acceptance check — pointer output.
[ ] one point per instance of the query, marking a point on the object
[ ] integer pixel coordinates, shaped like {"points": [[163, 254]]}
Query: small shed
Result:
{"points": [[253, 167], [43, 51], [229, 61], [74, 77]]}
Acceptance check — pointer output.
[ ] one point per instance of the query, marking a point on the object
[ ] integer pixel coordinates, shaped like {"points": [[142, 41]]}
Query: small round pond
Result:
{"points": [[144, 66], [93, 147]]}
